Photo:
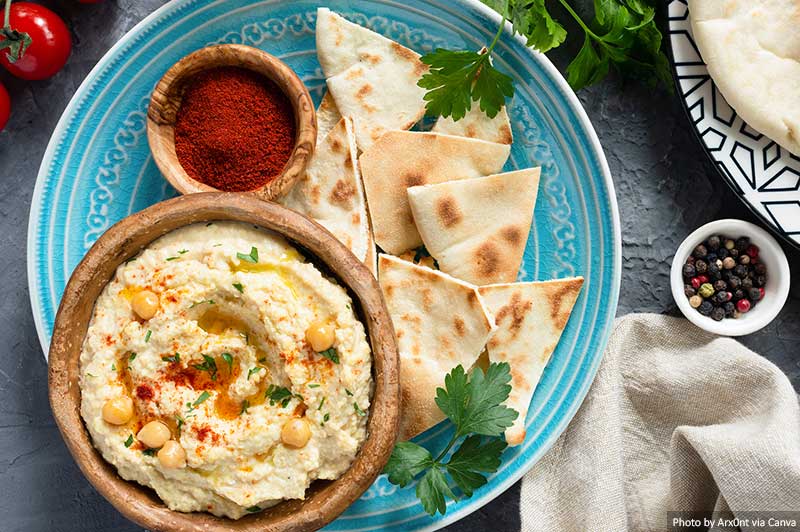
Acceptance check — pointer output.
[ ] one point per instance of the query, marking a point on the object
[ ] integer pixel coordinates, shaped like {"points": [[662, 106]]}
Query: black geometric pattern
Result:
{"points": [[764, 175]]}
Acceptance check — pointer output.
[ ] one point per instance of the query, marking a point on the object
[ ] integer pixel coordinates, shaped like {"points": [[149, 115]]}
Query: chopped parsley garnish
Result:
{"points": [[331, 355], [228, 358], [181, 252], [313, 385], [174, 358], [209, 301], [90, 375], [474, 403], [147, 336], [130, 260], [203, 396], [179, 420], [358, 410], [131, 357], [278, 394], [209, 365], [239, 287], [262, 360], [245, 406], [172, 258], [113, 367], [322, 402], [129, 441], [149, 452], [252, 257], [253, 371], [325, 418], [348, 392], [253, 509]]}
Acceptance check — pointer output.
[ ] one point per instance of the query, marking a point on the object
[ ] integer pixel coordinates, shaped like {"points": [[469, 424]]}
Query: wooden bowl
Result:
{"points": [[167, 96], [324, 499]]}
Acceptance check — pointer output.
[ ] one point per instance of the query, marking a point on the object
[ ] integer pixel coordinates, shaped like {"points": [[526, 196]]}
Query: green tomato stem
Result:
{"points": [[7, 19]]}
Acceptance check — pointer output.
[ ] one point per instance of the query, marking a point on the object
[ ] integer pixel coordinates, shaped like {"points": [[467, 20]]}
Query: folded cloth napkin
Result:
{"points": [[676, 420]]}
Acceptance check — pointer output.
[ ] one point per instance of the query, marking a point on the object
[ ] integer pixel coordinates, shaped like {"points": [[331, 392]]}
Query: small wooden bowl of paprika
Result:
{"points": [[231, 118]]}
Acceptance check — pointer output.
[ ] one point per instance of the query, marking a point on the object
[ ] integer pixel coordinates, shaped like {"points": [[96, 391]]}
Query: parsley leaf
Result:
{"points": [[129, 441], [209, 301], [174, 358], [252, 257], [239, 287], [245, 406], [471, 459], [331, 354], [253, 371], [278, 394], [131, 357], [201, 399], [474, 403], [457, 78], [148, 335], [228, 358], [209, 365], [407, 461]]}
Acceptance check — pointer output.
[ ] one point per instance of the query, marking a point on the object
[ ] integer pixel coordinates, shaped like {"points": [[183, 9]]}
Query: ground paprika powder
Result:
{"points": [[234, 130]]}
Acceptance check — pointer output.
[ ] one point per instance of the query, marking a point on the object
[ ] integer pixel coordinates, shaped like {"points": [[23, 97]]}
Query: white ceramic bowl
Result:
{"points": [[775, 291]]}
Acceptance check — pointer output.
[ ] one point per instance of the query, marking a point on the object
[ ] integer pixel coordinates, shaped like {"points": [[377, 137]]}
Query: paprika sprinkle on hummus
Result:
{"points": [[234, 130]]}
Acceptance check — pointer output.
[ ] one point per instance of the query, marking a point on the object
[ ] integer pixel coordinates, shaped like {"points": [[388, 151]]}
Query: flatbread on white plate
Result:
{"points": [[372, 79], [477, 229], [752, 49], [402, 159], [328, 116], [530, 318], [332, 194], [477, 125], [440, 322]]}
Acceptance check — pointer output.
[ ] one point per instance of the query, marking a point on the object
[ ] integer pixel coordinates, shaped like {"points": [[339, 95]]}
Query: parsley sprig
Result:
{"points": [[622, 36], [474, 403]]}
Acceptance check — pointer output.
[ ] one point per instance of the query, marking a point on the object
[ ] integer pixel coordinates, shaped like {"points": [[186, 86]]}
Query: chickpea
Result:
{"points": [[154, 434], [118, 410], [295, 433], [172, 455], [320, 335], [145, 304]]}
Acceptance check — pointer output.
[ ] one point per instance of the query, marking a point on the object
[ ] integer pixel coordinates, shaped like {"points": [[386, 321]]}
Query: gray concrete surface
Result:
{"points": [[665, 187]]}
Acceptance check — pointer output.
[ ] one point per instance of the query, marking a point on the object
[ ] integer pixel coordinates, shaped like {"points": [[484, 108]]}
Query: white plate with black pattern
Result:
{"points": [[765, 175]]}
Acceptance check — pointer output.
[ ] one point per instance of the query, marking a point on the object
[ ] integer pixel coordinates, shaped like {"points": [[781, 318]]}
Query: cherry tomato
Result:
{"points": [[5, 106], [50, 42]]}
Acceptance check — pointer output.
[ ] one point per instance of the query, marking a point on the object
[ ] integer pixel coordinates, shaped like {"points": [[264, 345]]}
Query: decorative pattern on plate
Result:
{"points": [[98, 169], [766, 176]]}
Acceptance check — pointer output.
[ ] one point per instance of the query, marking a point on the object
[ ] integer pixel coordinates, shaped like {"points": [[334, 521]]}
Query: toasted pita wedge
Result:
{"points": [[327, 116], [477, 228], [402, 159], [530, 319], [476, 125], [440, 322], [331, 192], [372, 79]]}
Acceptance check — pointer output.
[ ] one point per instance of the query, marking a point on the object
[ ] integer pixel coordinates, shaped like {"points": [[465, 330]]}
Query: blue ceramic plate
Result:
{"points": [[98, 169]]}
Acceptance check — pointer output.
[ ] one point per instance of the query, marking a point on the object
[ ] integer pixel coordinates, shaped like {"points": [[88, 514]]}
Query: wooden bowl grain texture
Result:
{"points": [[168, 93], [325, 500]]}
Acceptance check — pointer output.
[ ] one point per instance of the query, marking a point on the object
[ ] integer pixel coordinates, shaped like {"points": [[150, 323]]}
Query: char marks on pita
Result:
{"points": [[440, 322], [371, 78], [332, 194], [477, 229], [477, 125], [530, 318], [403, 159]]}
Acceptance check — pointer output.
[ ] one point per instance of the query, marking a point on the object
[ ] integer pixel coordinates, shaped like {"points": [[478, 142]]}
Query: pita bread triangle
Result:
{"points": [[372, 79], [530, 318], [331, 191], [477, 125], [327, 116], [440, 322], [477, 229], [401, 159]]}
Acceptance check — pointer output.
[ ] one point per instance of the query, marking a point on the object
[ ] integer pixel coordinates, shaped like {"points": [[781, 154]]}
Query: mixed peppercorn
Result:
{"points": [[723, 277]]}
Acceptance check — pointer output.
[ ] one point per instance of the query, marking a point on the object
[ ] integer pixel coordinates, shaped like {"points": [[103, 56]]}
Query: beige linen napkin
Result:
{"points": [[676, 420]]}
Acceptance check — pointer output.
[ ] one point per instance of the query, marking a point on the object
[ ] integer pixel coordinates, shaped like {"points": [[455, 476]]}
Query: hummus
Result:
{"points": [[224, 362]]}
